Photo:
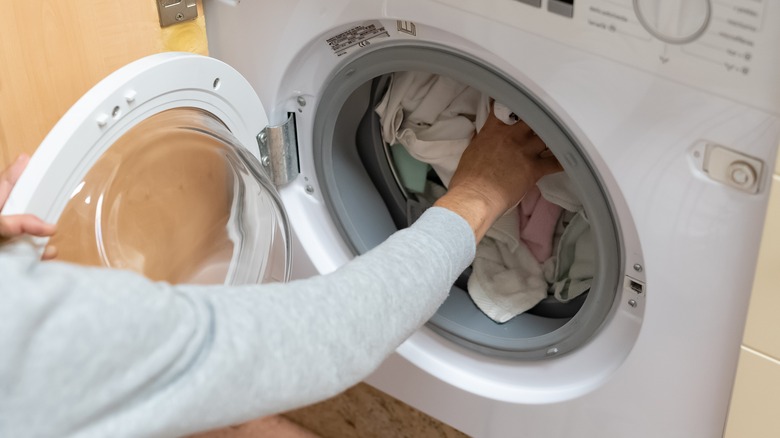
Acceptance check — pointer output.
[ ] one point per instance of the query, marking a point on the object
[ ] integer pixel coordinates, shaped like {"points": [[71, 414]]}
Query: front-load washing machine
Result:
{"points": [[663, 112]]}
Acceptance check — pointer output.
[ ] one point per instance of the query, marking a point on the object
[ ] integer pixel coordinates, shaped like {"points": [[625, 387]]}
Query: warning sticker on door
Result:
{"points": [[356, 37]]}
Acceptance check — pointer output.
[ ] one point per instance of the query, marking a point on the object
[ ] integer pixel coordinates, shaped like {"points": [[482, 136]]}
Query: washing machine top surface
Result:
{"points": [[156, 170]]}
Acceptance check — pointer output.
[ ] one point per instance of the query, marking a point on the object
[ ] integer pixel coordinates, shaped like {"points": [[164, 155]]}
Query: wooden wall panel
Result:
{"points": [[53, 51]]}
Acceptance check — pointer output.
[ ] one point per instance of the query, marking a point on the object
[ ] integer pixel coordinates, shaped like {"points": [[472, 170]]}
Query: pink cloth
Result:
{"points": [[538, 218]]}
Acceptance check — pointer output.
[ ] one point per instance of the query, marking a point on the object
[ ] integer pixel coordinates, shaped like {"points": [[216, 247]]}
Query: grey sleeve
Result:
{"points": [[96, 352]]}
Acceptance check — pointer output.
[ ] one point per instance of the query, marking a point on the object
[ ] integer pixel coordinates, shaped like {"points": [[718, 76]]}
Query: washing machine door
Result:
{"points": [[156, 169]]}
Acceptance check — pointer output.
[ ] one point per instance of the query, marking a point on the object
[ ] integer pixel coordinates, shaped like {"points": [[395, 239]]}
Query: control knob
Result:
{"points": [[674, 21]]}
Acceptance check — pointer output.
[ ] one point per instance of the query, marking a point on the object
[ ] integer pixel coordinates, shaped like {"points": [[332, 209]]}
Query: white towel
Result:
{"points": [[575, 252], [506, 280], [575, 262], [559, 189]]}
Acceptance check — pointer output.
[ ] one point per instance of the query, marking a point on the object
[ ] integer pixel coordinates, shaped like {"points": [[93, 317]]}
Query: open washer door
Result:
{"points": [[156, 170]]}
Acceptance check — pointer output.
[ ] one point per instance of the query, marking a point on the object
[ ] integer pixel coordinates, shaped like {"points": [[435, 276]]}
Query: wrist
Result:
{"points": [[474, 207]]}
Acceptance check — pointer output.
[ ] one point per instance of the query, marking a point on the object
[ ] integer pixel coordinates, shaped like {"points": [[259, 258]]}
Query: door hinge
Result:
{"points": [[176, 11], [279, 151]]}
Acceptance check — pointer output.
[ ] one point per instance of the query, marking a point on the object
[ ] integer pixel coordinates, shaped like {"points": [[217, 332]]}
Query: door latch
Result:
{"points": [[176, 11], [730, 167]]}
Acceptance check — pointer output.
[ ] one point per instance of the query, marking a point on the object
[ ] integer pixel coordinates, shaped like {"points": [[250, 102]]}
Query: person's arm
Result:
{"points": [[96, 352], [108, 353]]}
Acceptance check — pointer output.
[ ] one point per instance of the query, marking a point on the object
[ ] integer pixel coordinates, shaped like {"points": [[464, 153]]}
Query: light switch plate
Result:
{"points": [[176, 11]]}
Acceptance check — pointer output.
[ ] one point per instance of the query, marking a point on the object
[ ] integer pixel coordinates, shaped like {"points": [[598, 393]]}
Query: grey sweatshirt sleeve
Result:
{"points": [[97, 352]]}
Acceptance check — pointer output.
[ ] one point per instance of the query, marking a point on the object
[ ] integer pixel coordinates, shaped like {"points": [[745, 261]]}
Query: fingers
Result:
{"points": [[17, 225], [529, 140], [14, 171], [541, 156], [50, 253], [548, 165], [9, 177], [523, 134], [24, 224], [535, 147], [519, 132], [27, 224]]}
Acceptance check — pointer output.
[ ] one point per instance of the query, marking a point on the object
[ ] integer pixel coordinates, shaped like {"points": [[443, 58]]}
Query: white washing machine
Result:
{"points": [[664, 112]]}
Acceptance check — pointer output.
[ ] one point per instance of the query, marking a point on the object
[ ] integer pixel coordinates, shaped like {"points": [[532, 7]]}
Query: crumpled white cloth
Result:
{"points": [[434, 118], [559, 189], [575, 252], [506, 279]]}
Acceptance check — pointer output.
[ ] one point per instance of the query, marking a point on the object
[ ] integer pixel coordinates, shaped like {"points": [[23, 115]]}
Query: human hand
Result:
{"points": [[22, 224], [495, 171]]}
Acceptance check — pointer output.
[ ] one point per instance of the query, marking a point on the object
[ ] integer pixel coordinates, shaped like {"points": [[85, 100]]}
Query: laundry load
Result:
{"points": [[542, 247]]}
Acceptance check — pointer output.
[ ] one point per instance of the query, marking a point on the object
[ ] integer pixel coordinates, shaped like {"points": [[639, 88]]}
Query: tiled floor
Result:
{"points": [[365, 412], [270, 427], [360, 412]]}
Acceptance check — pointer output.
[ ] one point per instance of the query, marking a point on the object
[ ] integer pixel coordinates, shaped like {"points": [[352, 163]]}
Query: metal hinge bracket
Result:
{"points": [[176, 11], [279, 151]]}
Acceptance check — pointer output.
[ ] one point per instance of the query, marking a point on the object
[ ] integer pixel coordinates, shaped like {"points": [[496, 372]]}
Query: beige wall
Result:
{"points": [[755, 404], [53, 51]]}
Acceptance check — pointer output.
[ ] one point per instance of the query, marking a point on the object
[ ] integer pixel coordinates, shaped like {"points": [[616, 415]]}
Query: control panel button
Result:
{"points": [[561, 7], [674, 21], [537, 3]]}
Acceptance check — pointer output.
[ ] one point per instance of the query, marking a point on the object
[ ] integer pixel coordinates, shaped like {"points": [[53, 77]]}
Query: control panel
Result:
{"points": [[727, 47]]}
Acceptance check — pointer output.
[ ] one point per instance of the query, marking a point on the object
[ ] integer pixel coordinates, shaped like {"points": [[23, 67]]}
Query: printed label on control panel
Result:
{"points": [[732, 38], [617, 18], [356, 37], [728, 41], [726, 47]]}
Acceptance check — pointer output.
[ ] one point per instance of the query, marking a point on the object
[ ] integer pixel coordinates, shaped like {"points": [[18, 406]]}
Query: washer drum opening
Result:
{"points": [[362, 196]]}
